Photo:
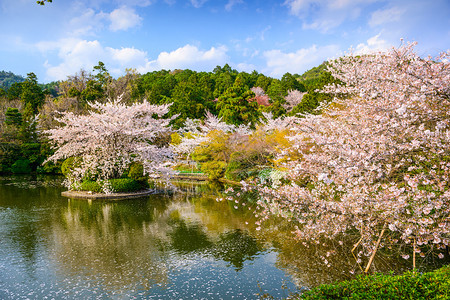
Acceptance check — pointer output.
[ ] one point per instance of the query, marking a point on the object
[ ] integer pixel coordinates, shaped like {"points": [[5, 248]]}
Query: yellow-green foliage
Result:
{"points": [[241, 156], [216, 148], [136, 171], [175, 138], [215, 169]]}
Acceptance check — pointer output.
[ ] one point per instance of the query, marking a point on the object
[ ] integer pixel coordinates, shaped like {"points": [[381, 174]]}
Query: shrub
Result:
{"points": [[244, 164], [67, 166], [119, 185], [215, 169], [431, 285], [136, 171], [21, 166], [90, 185], [122, 185]]}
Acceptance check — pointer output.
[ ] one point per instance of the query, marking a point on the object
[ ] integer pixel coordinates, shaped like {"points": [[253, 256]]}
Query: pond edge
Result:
{"points": [[99, 196]]}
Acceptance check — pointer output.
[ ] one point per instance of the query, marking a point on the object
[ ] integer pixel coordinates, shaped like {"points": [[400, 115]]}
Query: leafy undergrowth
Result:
{"points": [[120, 185], [431, 285]]}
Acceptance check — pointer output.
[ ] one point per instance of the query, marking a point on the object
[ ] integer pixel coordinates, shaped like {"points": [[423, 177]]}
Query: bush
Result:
{"points": [[431, 285], [67, 166], [245, 164], [90, 185], [119, 185], [122, 185], [21, 166], [215, 169], [136, 171]]}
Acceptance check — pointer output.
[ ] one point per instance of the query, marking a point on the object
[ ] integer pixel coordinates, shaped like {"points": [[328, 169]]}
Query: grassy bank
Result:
{"points": [[431, 285]]}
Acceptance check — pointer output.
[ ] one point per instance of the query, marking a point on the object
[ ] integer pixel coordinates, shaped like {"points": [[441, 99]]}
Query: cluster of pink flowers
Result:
{"points": [[110, 137], [377, 157]]}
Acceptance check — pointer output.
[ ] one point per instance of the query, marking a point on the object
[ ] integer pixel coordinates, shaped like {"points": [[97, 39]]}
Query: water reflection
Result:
{"points": [[173, 245]]}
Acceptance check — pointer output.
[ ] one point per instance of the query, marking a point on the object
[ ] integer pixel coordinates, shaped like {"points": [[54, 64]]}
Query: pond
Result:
{"points": [[174, 245]]}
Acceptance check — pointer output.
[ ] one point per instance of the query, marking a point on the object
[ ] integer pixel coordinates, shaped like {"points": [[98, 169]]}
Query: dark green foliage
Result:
{"points": [[314, 73], [31, 93], [123, 185], [51, 88], [93, 91], [13, 117], [235, 108], [21, 166], [136, 171], [92, 186], [289, 82], [119, 185], [14, 91], [431, 285], [67, 166], [7, 79], [43, 2], [263, 82]]}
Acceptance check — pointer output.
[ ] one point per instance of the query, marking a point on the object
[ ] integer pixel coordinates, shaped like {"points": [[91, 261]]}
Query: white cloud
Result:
{"points": [[384, 16], [231, 3], [245, 67], [324, 15], [142, 3], [278, 62], [127, 57], [124, 18], [188, 57], [198, 3], [87, 22], [73, 54], [374, 44]]}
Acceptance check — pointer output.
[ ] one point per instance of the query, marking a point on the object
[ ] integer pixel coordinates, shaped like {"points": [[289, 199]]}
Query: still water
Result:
{"points": [[179, 245], [167, 246]]}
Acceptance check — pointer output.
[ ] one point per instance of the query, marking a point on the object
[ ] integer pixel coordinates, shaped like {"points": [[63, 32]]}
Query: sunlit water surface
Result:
{"points": [[167, 246], [171, 245]]}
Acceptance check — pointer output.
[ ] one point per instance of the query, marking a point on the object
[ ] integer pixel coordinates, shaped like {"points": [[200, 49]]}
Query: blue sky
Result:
{"points": [[271, 37]]}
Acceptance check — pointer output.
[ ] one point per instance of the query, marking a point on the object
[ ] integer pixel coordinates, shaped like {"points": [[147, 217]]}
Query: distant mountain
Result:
{"points": [[9, 78], [314, 73]]}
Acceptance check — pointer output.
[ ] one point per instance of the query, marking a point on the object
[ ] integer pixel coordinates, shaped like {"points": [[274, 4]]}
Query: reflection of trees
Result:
{"points": [[187, 238], [131, 244], [236, 247], [22, 223], [326, 261], [109, 243]]}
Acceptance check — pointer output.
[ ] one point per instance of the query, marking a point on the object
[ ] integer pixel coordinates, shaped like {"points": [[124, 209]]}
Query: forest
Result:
{"points": [[27, 107]]}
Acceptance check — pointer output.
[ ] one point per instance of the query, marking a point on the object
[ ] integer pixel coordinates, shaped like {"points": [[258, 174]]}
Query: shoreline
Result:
{"points": [[99, 196]]}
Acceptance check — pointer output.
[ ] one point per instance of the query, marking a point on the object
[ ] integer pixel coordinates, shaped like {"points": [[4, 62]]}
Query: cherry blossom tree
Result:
{"points": [[376, 161], [260, 97], [110, 137], [293, 98]]}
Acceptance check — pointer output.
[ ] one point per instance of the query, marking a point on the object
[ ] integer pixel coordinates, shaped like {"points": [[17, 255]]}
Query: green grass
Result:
{"points": [[431, 285]]}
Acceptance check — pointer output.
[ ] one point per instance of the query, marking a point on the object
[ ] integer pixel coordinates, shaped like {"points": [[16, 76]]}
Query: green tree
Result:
{"points": [[102, 75], [93, 91], [13, 117], [263, 82], [188, 102], [289, 82], [32, 94], [235, 108]]}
